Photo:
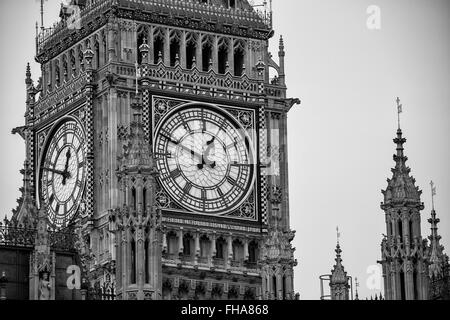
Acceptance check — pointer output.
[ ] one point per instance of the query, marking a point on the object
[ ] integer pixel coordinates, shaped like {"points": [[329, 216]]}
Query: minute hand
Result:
{"points": [[198, 155], [63, 173]]}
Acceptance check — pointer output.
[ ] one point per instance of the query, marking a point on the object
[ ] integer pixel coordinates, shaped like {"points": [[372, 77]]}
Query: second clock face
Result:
{"points": [[63, 173], [205, 159]]}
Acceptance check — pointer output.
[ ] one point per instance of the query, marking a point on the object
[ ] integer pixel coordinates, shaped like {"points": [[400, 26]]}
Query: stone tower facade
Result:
{"points": [[152, 224]]}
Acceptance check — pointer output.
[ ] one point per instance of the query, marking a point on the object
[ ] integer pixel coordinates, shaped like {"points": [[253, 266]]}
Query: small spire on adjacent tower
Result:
{"points": [[356, 290], [338, 234], [399, 110], [436, 256], [433, 193]]}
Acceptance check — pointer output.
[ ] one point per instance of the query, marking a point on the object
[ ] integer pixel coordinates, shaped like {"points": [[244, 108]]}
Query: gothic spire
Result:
{"points": [[137, 152], [437, 258], [339, 287], [401, 188], [338, 275]]}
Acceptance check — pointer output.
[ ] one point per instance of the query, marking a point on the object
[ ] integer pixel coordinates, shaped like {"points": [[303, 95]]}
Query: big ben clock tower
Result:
{"points": [[157, 131]]}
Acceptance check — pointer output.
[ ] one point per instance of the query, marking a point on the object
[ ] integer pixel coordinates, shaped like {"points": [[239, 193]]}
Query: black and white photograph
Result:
{"points": [[225, 155]]}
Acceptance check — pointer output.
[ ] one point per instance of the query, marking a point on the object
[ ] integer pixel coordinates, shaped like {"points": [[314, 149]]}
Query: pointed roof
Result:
{"points": [[437, 258], [138, 154], [401, 187], [338, 274]]}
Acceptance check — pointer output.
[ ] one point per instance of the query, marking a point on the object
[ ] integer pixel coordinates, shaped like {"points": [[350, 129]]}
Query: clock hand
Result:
{"points": [[63, 173], [66, 167], [210, 145], [198, 155]]}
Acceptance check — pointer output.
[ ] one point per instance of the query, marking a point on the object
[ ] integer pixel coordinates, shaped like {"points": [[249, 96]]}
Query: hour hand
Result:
{"points": [[66, 167], [63, 173]]}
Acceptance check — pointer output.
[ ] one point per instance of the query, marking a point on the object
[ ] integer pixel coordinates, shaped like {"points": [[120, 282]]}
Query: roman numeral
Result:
{"points": [[182, 119], [203, 196], [79, 183], [163, 155], [168, 137], [51, 200], [220, 192], [175, 173], [187, 188], [236, 164], [231, 180], [81, 164]]}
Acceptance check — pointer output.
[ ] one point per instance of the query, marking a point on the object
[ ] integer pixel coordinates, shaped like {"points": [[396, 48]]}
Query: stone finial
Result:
{"points": [[144, 50], [281, 46], [28, 73], [88, 55], [210, 64]]}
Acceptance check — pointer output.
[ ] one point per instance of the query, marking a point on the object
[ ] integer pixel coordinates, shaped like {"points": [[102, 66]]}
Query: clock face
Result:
{"points": [[205, 159], [63, 173]]}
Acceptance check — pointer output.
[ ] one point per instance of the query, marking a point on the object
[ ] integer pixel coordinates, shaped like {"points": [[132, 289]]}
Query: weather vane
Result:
{"points": [[338, 234], [433, 193], [399, 110]]}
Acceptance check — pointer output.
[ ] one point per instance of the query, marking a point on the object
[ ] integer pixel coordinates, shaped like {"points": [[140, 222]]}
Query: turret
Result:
{"points": [[138, 222], [403, 249]]}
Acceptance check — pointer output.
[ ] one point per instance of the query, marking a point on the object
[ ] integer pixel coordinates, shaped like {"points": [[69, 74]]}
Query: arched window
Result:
{"points": [[183, 290], [249, 294], [144, 199], [97, 53], [274, 286], [400, 228], [133, 262], [238, 251], [172, 243], [191, 49], [57, 73], [146, 260], [174, 48], [206, 55], [200, 292], [204, 246], [140, 41], [222, 56], [411, 233], [239, 60], [220, 248], [233, 293], [158, 45], [133, 198], [167, 290], [187, 241], [216, 293], [253, 252], [402, 285], [415, 283]]}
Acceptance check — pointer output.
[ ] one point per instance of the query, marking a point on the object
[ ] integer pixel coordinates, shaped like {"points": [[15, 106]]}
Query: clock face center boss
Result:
{"points": [[205, 159]]}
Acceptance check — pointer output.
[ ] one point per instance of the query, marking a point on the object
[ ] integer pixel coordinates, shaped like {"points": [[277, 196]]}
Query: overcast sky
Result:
{"points": [[340, 138]]}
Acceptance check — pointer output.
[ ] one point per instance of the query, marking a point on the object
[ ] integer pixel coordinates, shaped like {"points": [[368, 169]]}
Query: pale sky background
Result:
{"points": [[340, 138]]}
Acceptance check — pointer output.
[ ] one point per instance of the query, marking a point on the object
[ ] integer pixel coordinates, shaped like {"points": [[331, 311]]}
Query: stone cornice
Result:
{"points": [[60, 38]]}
